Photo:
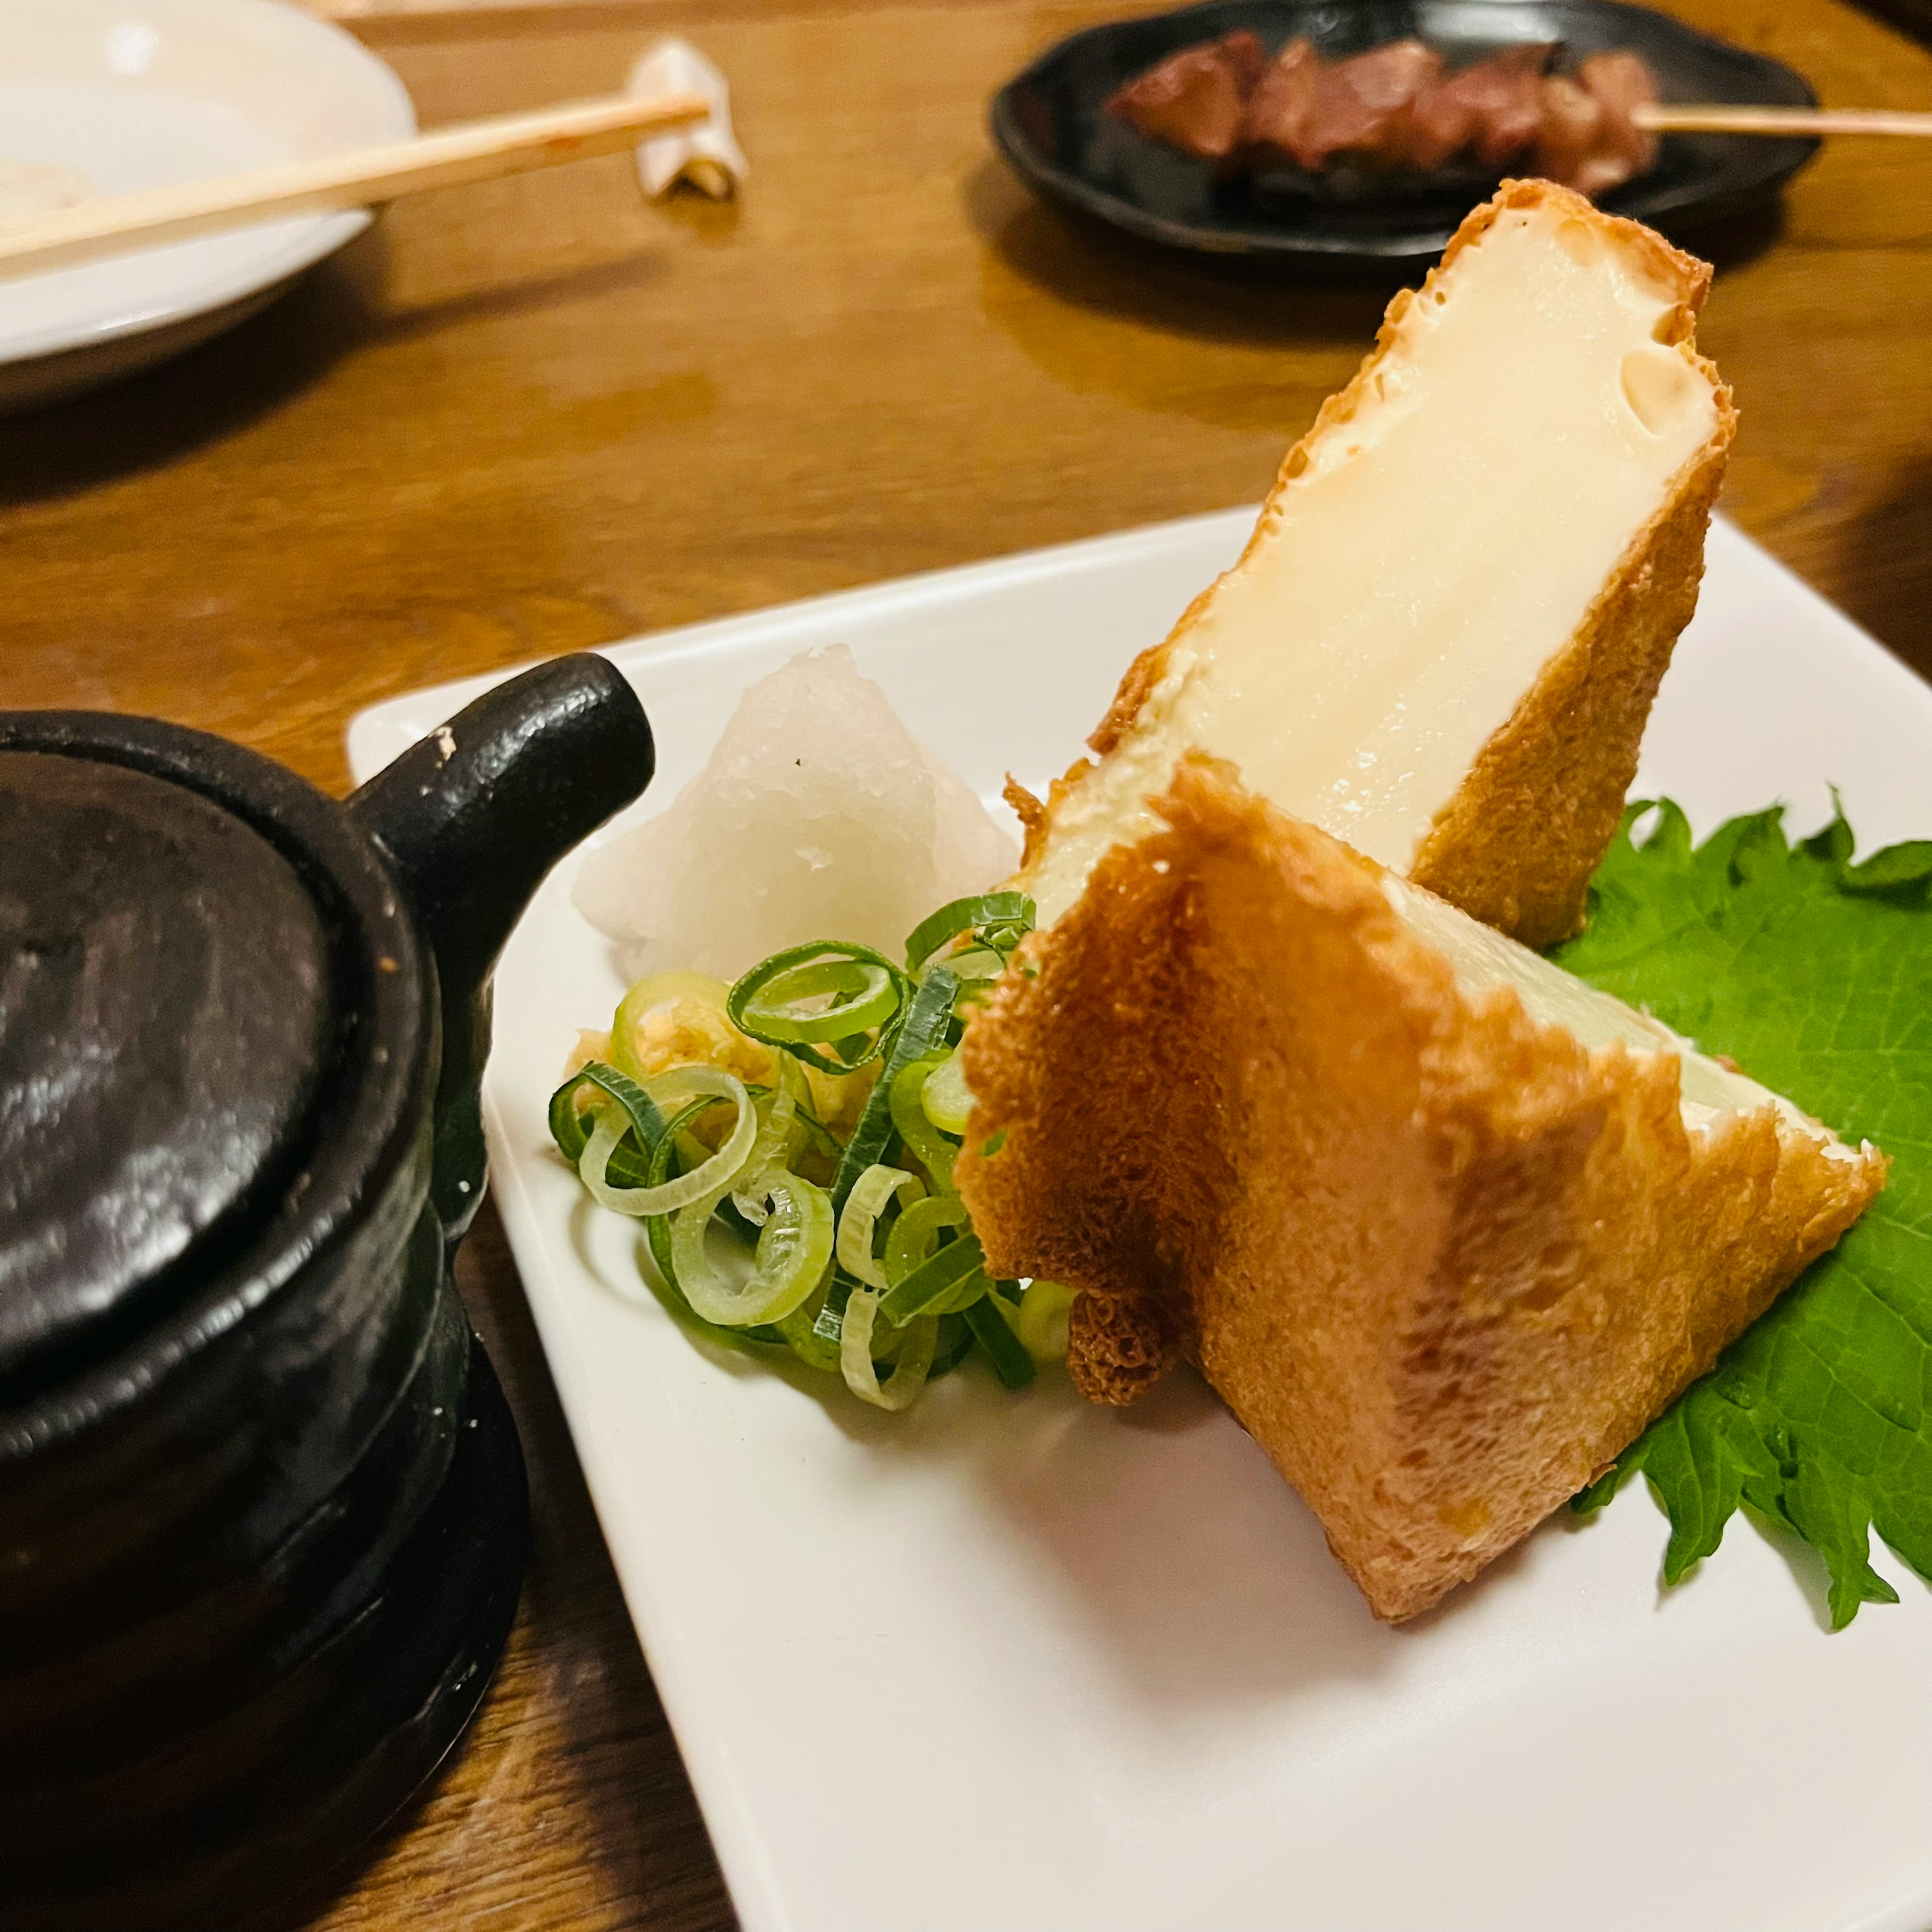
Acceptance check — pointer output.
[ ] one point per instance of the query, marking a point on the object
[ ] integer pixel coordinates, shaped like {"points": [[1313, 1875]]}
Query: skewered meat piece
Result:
{"points": [[1307, 111], [1246, 56], [1226, 102], [1493, 110], [1194, 100], [1280, 115], [1589, 139]]}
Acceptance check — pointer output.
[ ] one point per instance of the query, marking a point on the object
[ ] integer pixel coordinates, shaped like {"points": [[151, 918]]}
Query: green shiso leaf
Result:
{"points": [[1816, 975]]}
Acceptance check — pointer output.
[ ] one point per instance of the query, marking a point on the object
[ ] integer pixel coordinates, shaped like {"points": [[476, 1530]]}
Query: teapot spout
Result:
{"points": [[470, 820]]}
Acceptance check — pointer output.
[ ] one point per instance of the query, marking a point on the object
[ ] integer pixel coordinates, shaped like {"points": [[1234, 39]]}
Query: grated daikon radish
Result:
{"points": [[818, 815]]}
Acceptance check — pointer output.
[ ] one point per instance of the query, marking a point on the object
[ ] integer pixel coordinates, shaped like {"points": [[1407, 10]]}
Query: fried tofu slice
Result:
{"points": [[1444, 1226], [1443, 639]]}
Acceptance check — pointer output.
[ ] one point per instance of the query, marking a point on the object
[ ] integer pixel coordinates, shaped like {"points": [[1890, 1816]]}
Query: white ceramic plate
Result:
{"points": [[1013, 1664], [106, 96]]}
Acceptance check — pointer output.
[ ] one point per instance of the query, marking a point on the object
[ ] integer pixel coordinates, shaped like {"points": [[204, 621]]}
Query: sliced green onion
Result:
{"points": [[855, 1354], [658, 1238], [982, 909], [914, 1236], [921, 1032], [1041, 1323], [810, 1281], [946, 1098], [839, 1290], [976, 962], [654, 990], [567, 1127], [933, 1150], [954, 1345], [974, 1288], [913, 1242], [769, 1156], [791, 1077], [570, 1129], [712, 1177], [863, 1206], [987, 1318], [757, 1336], [791, 1006], [921, 1029], [793, 1251], [865, 988], [800, 1334], [819, 1136], [930, 1289]]}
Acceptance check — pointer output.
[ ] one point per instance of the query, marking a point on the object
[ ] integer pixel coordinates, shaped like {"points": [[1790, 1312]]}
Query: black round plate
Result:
{"points": [[1051, 124]]}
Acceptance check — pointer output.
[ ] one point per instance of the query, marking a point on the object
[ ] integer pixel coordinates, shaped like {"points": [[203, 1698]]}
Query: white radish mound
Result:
{"points": [[819, 816]]}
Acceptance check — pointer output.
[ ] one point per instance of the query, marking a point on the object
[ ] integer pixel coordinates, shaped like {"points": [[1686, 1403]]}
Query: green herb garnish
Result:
{"points": [[1816, 975]]}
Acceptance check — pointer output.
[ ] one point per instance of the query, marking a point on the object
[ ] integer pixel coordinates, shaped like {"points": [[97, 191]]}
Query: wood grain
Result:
{"points": [[526, 416]]}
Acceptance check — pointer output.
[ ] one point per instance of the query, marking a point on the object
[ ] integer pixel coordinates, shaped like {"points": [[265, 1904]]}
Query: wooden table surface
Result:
{"points": [[518, 419]]}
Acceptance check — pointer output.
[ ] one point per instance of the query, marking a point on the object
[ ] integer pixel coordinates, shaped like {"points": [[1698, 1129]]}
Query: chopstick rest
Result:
{"points": [[706, 155]]}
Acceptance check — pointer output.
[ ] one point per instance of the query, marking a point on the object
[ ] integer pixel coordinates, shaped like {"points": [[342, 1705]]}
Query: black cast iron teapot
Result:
{"points": [[263, 1511]]}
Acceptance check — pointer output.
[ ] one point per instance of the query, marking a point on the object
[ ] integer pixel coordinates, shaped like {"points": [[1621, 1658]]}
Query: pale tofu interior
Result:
{"points": [[1406, 588], [1482, 959]]}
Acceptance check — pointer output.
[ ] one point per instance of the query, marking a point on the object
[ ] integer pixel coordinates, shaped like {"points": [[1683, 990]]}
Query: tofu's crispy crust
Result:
{"points": [[1517, 843], [1441, 1262]]}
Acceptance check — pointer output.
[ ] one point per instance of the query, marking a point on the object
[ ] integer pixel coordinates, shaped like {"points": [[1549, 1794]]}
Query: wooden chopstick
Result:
{"points": [[1668, 118], [473, 151]]}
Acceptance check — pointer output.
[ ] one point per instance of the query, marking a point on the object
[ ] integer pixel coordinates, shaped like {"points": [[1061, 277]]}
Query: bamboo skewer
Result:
{"points": [[473, 151], [1666, 118]]}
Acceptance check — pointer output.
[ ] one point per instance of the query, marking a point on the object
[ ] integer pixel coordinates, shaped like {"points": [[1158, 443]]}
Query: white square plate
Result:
{"points": [[1014, 1664]]}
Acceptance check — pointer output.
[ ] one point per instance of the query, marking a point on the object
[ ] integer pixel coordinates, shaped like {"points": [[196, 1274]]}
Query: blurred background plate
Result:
{"points": [[106, 96], [1050, 122]]}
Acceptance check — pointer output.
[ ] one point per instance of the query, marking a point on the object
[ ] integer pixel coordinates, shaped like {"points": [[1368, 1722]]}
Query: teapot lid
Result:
{"points": [[166, 1016]]}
